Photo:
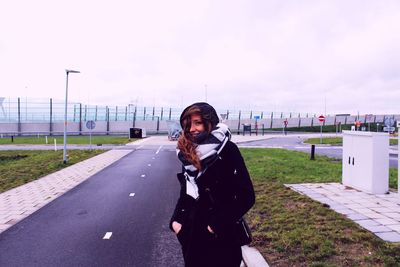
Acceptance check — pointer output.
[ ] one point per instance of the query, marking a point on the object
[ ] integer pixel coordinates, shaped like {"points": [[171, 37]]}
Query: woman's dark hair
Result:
{"points": [[186, 143]]}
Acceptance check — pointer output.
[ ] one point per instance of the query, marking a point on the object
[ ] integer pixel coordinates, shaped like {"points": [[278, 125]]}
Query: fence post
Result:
{"points": [[126, 113], [262, 114], [19, 117], [134, 117], [116, 113], [272, 119], [144, 113], [108, 119], [85, 117], [51, 117], [169, 117], [227, 114], [162, 112], [240, 112], [152, 118], [95, 114], [312, 121], [80, 118], [74, 112], [251, 114]]}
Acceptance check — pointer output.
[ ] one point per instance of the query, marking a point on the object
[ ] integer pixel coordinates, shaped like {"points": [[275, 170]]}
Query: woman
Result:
{"points": [[216, 190]]}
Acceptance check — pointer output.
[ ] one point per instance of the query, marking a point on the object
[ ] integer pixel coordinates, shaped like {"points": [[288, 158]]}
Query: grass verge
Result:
{"points": [[337, 141], [41, 140], [292, 230], [20, 167]]}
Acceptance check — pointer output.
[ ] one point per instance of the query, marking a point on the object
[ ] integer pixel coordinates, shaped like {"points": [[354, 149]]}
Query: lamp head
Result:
{"points": [[72, 71]]}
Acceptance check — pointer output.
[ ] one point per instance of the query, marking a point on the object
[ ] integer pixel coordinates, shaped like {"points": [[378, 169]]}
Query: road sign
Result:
{"points": [[321, 118], [389, 129], [389, 122], [90, 125]]}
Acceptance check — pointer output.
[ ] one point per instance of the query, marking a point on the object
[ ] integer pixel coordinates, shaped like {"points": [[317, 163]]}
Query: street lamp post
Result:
{"points": [[65, 115]]}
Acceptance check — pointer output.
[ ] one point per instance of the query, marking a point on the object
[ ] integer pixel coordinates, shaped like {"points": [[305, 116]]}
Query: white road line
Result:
{"points": [[132, 194], [143, 175], [158, 151], [149, 165], [108, 235]]}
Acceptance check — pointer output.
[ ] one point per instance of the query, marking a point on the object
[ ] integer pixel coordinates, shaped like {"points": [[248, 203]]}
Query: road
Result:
{"points": [[296, 143], [130, 202]]}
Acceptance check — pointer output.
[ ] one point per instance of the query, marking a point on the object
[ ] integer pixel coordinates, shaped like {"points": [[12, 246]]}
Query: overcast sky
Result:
{"points": [[299, 56]]}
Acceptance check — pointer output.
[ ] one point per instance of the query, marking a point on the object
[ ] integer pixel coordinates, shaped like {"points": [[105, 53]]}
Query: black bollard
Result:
{"points": [[312, 152], [12, 138]]}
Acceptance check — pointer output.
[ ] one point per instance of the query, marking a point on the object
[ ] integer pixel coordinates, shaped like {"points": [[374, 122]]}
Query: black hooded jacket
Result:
{"points": [[225, 194]]}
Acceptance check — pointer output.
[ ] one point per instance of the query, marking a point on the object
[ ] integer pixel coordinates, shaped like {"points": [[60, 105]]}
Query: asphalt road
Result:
{"points": [[70, 231], [296, 143]]}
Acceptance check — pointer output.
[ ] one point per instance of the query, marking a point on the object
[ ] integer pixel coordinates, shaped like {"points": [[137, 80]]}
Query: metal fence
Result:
{"points": [[49, 110], [26, 117]]}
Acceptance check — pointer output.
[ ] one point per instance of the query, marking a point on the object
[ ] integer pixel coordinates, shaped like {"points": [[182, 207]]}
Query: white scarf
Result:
{"points": [[208, 152]]}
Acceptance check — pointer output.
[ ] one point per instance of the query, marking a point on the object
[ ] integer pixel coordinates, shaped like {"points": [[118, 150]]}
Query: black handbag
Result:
{"points": [[243, 232]]}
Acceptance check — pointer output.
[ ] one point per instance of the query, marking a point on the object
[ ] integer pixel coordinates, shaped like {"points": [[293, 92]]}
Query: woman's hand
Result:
{"points": [[209, 229], [176, 226]]}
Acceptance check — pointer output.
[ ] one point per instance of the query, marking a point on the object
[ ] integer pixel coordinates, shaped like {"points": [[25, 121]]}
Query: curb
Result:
{"points": [[253, 258]]}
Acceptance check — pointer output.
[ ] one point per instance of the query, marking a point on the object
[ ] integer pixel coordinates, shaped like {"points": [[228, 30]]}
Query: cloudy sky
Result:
{"points": [[304, 56]]}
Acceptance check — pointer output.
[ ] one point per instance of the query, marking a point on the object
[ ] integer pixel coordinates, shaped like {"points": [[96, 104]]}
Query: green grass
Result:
{"points": [[20, 167], [332, 128], [325, 140], [290, 229], [112, 140], [337, 141]]}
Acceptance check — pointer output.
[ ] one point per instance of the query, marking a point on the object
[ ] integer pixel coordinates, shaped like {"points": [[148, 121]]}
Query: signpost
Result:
{"points": [[321, 119], [90, 125], [256, 126]]}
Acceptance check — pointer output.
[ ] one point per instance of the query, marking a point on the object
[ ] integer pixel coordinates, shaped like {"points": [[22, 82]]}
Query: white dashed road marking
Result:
{"points": [[158, 151], [149, 164], [132, 194], [108, 235], [143, 175]]}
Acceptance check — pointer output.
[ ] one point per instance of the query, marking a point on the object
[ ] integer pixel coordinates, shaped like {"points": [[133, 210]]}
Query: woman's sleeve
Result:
{"points": [[182, 204], [244, 197]]}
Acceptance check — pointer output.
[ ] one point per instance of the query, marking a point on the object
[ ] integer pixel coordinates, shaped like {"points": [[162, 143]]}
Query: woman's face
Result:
{"points": [[196, 125]]}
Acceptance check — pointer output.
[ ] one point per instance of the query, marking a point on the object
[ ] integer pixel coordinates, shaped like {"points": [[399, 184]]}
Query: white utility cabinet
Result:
{"points": [[365, 163]]}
